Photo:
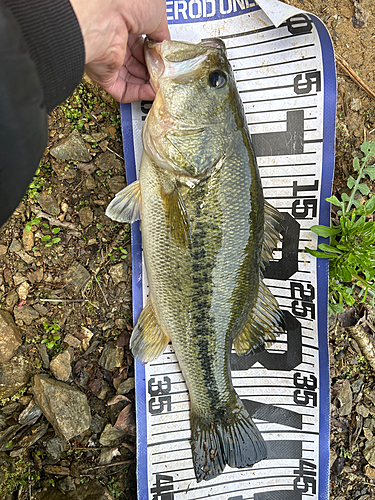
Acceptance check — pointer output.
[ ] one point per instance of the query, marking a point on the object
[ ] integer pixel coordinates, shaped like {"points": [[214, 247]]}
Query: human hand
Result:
{"points": [[114, 46]]}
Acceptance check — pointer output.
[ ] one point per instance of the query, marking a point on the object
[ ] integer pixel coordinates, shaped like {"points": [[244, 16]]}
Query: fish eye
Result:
{"points": [[217, 79]]}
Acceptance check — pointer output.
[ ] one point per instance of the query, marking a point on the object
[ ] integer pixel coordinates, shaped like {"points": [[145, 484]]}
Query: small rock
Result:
{"points": [[355, 104], [119, 273], [367, 433], [125, 421], [63, 406], [111, 357], [31, 411], [369, 452], [48, 203], [362, 410], [23, 290], [19, 278], [44, 355], [345, 397], [116, 183], [87, 168], [27, 240], [126, 386], [13, 375], [73, 341], [97, 424], [360, 17], [57, 470], [108, 161], [3, 250], [60, 366], [86, 216], [94, 136], [12, 298], [36, 276], [26, 314], [87, 336], [15, 246], [10, 337], [90, 183], [107, 454], [103, 391], [64, 172], [91, 490], [54, 448], [77, 276], [66, 484], [111, 436], [74, 148], [43, 311]]}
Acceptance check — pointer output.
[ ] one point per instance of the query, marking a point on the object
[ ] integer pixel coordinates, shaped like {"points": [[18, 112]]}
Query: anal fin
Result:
{"points": [[260, 325], [126, 206], [148, 341]]}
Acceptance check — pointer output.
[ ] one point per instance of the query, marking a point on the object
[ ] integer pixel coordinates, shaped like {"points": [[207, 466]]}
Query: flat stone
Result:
{"points": [[14, 374], [74, 148], [27, 314], [97, 424], [10, 337], [15, 246], [369, 452], [54, 448], [355, 104], [12, 298], [109, 161], [126, 386], [42, 349], [27, 240], [119, 273], [126, 421], [19, 278], [35, 276], [116, 183], [111, 357], [77, 276], [31, 411], [345, 397], [86, 337], [86, 216], [90, 183], [66, 484], [94, 136], [72, 341], [48, 203], [63, 171], [64, 407], [111, 436], [23, 290], [43, 311], [60, 366], [3, 250], [107, 454]]}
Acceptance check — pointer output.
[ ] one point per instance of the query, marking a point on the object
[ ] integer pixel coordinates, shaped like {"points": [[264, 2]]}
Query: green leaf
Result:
{"points": [[368, 148], [356, 164], [356, 203], [47, 237], [364, 189], [345, 197], [56, 240], [320, 255], [49, 244], [334, 201], [8, 445], [55, 230], [325, 231], [329, 248], [370, 205], [350, 183], [370, 171]]}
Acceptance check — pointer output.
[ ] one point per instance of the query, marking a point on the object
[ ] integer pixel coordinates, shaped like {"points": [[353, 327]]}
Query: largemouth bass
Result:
{"points": [[207, 233]]}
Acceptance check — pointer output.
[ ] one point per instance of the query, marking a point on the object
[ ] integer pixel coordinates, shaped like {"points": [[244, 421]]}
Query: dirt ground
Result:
{"points": [[65, 277]]}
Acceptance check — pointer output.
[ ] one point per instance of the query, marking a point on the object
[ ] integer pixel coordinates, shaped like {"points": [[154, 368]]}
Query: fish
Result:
{"points": [[207, 235]]}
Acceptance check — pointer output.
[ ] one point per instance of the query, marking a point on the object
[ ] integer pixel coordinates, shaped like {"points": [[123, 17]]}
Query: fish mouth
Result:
{"points": [[154, 62]]}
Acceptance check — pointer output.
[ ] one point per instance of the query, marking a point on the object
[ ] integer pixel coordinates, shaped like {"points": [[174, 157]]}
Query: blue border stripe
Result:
{"points": [[137, 296], [328, 162]]}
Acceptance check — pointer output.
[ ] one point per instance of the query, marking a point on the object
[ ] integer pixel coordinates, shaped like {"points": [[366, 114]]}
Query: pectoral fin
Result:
{"points": [[148, 341], [176, 214], [126, 206], [260, 325]]}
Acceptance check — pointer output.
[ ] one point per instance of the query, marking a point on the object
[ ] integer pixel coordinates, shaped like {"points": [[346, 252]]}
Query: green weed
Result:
{"points": [[351, 251]]}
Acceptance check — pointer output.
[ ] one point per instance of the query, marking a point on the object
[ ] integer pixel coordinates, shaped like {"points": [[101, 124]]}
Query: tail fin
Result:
{"points": [[235, 441]]}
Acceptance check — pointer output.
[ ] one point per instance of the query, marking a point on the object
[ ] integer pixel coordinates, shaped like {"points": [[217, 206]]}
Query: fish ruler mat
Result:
{"points": [[284, 66]]}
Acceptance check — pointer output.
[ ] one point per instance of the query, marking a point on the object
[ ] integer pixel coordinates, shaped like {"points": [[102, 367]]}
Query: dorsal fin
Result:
{"points": [[261, 323], [272, 228], [126, 206], [148, 341]]}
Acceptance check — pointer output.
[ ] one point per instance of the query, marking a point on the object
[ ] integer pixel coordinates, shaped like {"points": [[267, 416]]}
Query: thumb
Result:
{"points": [[162, 31]]}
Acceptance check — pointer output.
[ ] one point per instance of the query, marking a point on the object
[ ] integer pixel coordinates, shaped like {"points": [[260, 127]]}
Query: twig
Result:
{"points": [[114, 152], [57, 222], [126, 462], [353, 75], [64, 300], [105, 298]]}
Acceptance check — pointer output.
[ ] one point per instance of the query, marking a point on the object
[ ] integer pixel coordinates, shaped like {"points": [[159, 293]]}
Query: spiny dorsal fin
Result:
{"points": [[148, 341], [259, 327], [272, 228], [126, 206], [176, 214]]}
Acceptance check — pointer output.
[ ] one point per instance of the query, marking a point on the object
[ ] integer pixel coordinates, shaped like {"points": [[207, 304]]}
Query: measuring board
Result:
{"points": [[284, 66]]}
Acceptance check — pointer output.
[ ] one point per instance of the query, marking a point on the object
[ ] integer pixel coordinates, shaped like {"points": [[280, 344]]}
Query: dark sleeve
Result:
{"points": [[42, 61]]}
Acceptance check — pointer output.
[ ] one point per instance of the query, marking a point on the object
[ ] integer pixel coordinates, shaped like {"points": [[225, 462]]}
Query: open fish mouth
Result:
{"points": [[172, 58]]}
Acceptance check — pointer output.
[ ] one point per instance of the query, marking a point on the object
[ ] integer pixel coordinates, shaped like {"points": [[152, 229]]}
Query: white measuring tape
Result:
{"points": [[284, 66]]}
